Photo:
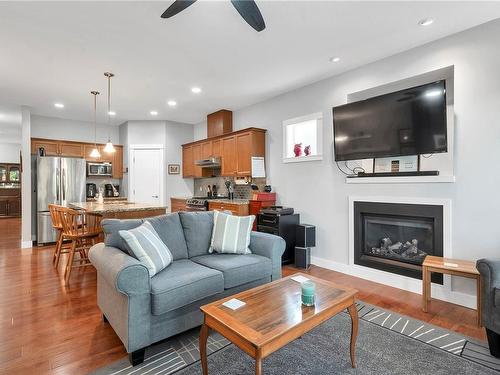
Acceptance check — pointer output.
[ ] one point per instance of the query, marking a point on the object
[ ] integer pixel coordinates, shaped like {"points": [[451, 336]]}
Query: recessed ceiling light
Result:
{"points": [[172, 103], [112, 113], [58, 105], [153, 113], [196, 90], [334, 59], [426, 22]]}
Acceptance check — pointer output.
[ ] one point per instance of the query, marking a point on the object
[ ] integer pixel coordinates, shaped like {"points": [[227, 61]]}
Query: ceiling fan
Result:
{"points": [[246, 8]]}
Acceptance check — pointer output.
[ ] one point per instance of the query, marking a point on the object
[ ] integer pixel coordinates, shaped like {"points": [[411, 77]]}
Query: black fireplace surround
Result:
{"points": [[397, 237]]}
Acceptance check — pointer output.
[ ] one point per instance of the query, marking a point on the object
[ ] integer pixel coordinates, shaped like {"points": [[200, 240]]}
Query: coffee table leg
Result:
{"points": [[258, 365], [203, 348], [353, 312]]}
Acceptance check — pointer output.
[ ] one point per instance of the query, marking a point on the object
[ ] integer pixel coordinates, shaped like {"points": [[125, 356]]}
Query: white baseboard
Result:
{"points": [[397, 281], [26, 244]]}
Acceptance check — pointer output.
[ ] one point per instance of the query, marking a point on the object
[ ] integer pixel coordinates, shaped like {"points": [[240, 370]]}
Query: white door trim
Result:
{"points": [[131, 186]]}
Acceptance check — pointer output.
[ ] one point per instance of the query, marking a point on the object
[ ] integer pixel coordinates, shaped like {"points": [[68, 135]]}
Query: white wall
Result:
{"points": [[317, 190], [9, 152], [71, 130], [26, 240], [170, 135]]}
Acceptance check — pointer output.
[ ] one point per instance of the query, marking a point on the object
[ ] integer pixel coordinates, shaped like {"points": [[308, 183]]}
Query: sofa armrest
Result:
{"points": [[269, 246], [120, 270], [490, 282]]}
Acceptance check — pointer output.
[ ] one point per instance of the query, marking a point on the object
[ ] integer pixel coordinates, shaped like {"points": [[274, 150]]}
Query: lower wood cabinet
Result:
{"points": [[177, 204], [236, 209], [10, 206]]}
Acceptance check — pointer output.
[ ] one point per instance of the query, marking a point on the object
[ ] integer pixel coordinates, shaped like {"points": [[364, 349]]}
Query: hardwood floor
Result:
{"points": [[47, 328]]}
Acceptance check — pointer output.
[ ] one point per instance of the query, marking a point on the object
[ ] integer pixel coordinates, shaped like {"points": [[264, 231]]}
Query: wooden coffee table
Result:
{"points": [[273, 316], [455, 267]]}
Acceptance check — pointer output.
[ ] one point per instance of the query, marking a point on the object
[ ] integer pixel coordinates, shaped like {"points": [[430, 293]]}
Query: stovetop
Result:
{"points": [[200, 201]]}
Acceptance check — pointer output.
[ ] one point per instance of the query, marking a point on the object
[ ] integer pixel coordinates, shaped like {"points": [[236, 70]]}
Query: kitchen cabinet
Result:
{"points": [[177, 204], [118, 162], [187, 161], [219, 123], [80, 150], [71, 149], [10, 202], [10, 173], [51, 147], [235, 150], [206, 150], [237, 209], [228, 155]]}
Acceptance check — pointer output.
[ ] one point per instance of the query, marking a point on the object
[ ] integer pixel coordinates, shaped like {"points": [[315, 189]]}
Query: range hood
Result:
{"points": [[208, 163]]}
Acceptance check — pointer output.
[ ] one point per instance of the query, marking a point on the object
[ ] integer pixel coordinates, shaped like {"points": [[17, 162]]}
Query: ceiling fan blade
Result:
{"points": [[176, 7], [250, 13]]}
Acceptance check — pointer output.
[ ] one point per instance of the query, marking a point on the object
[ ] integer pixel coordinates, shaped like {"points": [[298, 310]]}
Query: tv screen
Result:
{"points": [[406, 122]]}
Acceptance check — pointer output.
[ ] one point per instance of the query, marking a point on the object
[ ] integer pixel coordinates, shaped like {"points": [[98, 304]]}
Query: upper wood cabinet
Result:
{"points": [[235, 150], [187, 161], [219, 123], [228, 156], [10, 173], [80, 150]]}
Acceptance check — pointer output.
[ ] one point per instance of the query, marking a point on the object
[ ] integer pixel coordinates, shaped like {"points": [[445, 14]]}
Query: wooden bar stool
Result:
{"points": [[61, 246], [82, 229]]}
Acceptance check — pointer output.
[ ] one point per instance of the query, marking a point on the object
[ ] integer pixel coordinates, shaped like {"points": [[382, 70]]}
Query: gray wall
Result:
{"points": [[71, 130], [9, 152], [318, 190], [170, 135]]}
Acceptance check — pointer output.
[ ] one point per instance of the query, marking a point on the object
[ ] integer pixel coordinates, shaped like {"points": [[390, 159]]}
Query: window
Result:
{"points": [[302, 138]]}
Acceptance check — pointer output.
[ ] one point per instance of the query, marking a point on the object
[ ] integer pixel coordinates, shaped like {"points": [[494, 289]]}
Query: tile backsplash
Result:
{"points": [[240, 191]]}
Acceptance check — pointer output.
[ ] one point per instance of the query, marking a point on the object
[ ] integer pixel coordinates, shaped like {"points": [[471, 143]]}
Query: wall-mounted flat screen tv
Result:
{"points": [[406, 122]]}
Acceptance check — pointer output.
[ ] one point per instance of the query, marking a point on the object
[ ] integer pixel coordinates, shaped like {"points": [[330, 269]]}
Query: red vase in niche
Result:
{"points": [[307, 150], [297, 149]]}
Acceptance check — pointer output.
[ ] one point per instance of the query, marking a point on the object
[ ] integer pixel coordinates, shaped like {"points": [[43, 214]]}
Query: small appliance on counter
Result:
{"points": [[282, 222], [91, 190], [111, 191]]}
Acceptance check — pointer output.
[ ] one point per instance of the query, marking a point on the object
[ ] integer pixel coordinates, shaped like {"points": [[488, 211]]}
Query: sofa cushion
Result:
{"points": [[143, 242], [231, 234], [497, 297], [111, 227], [170, 230], [237, 269], [197, 231], [182, 283], [168, 227]]}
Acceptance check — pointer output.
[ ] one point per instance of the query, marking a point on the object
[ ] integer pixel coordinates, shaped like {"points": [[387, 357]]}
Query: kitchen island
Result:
{"points": [[120, 209]]}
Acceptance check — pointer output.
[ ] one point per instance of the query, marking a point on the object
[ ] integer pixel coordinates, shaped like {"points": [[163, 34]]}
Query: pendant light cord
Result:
{"points": [[95, 93]]}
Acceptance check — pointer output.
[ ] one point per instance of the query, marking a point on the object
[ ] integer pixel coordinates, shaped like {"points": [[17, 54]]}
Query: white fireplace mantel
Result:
{"points": [[443, 292]]}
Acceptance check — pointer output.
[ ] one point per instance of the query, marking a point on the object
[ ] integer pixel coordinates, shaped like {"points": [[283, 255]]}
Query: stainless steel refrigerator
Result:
{"points": [[58, 181]]}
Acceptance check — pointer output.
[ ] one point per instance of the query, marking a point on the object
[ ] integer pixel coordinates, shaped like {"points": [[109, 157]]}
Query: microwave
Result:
{"points": [[99, 169]]}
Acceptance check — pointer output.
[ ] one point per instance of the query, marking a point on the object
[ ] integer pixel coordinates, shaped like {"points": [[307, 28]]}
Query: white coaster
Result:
{"points": [[299, 279], [450, 264], [234, 304]]}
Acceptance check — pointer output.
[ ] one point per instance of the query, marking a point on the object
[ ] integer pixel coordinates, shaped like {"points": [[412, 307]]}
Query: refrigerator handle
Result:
{"points": [[57, 185], [64, 184]]}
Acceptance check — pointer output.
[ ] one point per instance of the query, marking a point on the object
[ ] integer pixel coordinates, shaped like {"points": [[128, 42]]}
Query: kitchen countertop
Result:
{"points": [[109, 207], [230, 201], [107, 199]]}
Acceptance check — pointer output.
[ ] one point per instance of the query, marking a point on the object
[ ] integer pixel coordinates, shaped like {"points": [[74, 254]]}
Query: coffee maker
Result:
{"points": [[91, 190], [111, 190]]}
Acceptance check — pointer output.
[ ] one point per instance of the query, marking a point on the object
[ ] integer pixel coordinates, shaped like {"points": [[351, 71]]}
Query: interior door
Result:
{"points": [[146, 176]]}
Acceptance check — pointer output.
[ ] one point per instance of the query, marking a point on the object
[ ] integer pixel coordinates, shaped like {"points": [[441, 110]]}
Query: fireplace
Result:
{"points": [[396, 237]]}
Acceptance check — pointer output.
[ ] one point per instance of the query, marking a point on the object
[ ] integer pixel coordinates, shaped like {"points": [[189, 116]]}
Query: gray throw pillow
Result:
{"points": [[231, 234], [145, 244]]}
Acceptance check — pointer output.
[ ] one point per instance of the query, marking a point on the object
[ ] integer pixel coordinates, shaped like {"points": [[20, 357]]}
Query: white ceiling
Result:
{"points": [[58, 51]]}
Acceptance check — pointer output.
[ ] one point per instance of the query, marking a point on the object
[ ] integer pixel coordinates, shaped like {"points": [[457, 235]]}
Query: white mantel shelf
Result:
{"points": [[401, 180]]}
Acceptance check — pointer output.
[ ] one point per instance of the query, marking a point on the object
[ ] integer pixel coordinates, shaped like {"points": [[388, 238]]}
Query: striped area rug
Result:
{"points": [[174, 354]]}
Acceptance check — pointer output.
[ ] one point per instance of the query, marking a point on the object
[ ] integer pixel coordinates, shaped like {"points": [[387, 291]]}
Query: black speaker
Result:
{"points": [[306, 235], [302, 257]]}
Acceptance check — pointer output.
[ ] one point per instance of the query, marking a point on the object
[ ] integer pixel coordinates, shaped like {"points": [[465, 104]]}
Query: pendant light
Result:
{"points": [[95, 151], [109, 148]]}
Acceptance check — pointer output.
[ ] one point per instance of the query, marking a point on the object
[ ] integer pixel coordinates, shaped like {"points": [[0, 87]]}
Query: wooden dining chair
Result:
{"points": [[61, 246], [82, 229]]}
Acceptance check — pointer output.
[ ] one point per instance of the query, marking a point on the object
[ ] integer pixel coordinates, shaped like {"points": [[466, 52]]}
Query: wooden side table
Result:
{"points": [[454, 267]]}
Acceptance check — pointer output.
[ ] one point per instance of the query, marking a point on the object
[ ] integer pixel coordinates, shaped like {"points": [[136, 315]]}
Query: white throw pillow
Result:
{"points": [[145, 244], [231, 234]]}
